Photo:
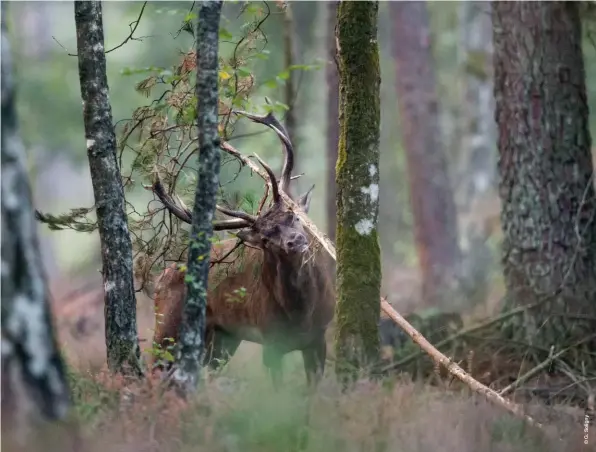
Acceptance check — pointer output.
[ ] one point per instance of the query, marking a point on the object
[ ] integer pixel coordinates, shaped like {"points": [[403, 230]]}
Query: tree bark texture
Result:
{"points": [[545, 168], [34, 386], [116, 247], [332, 119], [431, 196], [358, 253], [191, 339]]}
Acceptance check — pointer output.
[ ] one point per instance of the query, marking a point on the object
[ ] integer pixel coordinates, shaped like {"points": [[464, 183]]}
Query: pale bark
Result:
{"points": [[191, 344], [477, 165], [122, 344], [34, 386]]}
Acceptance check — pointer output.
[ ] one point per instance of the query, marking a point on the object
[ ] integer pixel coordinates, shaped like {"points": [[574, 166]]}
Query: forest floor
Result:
{"points": [[237, 410]]}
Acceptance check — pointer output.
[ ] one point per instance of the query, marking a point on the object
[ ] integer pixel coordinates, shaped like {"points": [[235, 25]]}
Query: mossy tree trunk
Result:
{"points": [[332, 118], [191, 344], [431, 195], [358, 253], [122, 342], [545, 167], [34, 385]]}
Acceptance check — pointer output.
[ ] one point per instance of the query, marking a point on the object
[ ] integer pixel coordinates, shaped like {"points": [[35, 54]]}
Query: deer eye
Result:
{"points": [[274, 230]]}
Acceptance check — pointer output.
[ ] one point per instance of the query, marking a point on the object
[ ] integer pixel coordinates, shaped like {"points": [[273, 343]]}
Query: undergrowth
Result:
{"points": [[243, 413]]}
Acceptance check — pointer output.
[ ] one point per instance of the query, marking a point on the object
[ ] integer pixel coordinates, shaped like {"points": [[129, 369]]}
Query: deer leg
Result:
{"points": [[221, 347], [314, 361], [272, 360]]}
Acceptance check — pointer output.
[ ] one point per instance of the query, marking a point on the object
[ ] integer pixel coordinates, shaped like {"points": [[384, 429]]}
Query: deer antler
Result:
{"points": [[273, 123], [236, 213], [274, 187], [186, 216]]}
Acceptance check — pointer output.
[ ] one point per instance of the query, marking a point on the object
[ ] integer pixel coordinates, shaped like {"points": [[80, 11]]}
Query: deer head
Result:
{"points": [[276, 229]]}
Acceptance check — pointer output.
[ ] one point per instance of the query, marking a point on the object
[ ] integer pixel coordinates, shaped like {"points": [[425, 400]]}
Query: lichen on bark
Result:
{"points": [[546, 186], [123, 353], [34, 386], [357, 178], [192, 331]]}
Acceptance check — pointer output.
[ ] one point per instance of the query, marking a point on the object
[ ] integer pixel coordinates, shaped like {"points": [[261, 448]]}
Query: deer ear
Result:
{"points": [[250, 237], [304, 199]]}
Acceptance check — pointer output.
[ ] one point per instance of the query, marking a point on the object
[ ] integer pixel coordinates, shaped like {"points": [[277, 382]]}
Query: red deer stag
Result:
{"points": [[286, 283]]}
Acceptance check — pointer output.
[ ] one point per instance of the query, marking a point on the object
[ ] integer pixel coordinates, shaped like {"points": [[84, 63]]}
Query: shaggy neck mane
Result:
{"points": [[289, 278]]}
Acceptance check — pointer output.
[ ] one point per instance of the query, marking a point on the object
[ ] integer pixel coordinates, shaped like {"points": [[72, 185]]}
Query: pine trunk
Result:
{"points": [[122, 343], [546, 175], [431, 196], [358, 253]]}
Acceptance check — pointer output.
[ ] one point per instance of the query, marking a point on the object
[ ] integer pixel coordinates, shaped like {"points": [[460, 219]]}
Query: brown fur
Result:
{"points": [[289, 285], [288, 305]]}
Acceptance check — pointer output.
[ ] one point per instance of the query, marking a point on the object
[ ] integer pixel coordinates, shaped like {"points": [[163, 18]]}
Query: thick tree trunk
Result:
{"points": [[358, 253], [191, 346], [431, 196], [332, 118], [116, 247], [34, 386], [545, 167]]}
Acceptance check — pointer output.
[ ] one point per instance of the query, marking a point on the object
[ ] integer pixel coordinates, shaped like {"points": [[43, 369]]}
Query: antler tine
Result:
{"points": [[224, 225], [238, 214], [273, 123], [169, 203], [185, 214], [274, 187]]}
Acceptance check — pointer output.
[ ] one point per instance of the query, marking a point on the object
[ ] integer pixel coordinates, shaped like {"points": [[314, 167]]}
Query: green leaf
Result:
{"points": [[271, 83], [284, 75], [225, 34], [243, 72]]}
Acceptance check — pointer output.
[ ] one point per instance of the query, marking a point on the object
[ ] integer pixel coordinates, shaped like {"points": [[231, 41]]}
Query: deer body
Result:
{"points": [[284, 304], [277, 289]]}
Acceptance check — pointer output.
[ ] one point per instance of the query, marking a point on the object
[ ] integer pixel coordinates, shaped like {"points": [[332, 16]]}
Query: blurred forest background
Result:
{"points": [[49, 106]]}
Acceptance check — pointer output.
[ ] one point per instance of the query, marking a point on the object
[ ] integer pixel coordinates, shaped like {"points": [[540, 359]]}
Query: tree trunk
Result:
{"points": [[290, 87], [332, 118], [358, 253], [431, 197], [476, 186], [191, 344], [116, 247], [34, 386], [545, 167]]}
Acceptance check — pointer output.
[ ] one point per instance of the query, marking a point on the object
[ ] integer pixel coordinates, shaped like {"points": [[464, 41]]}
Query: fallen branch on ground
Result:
{"points": [[435, 354]]}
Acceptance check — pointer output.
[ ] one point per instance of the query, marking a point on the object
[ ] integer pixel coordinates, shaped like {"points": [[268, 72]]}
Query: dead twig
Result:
{"points": [[529, 374]]}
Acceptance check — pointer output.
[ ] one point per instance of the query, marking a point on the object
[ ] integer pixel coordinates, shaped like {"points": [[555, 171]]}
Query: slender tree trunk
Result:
{"points": [[116, 247], [291, 123], [332, 118], [34, 386], [191, 345], [546, 175], [431, 197], [477, 170], [358, 253]]}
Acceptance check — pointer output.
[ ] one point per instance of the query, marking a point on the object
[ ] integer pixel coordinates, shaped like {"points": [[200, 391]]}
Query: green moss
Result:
{"points": [[357, 170]]}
